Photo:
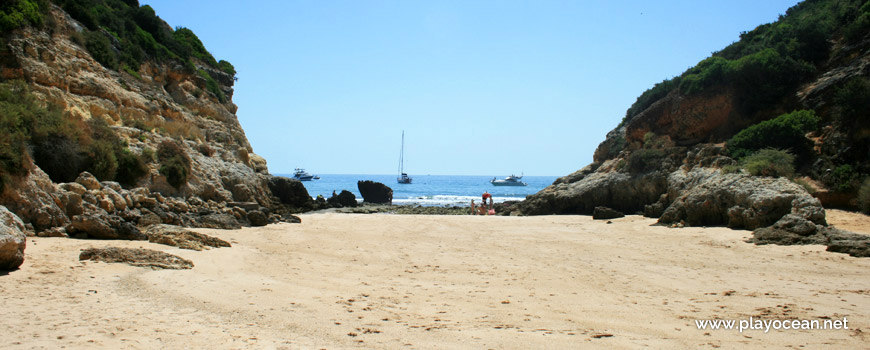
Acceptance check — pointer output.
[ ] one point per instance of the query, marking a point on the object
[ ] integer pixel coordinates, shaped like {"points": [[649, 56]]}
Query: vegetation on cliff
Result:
{"points": [[765, 65], [62, 147], [122, 36]]}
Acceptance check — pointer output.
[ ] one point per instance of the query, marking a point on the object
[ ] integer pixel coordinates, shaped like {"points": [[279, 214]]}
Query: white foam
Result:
{"points": [[444, 200]]}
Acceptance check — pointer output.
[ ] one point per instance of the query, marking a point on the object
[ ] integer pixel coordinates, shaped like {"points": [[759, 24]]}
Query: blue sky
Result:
{"points": [[480, 87]]}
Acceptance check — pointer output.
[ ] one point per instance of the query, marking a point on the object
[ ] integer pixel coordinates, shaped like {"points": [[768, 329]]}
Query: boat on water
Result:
{"points": [[403, 177], [512, 180], [302, 175]]}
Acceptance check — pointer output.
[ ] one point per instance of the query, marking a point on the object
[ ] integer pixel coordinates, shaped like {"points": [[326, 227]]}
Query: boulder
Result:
{"points": [[104, 226], [706, 196], [620, 191], [89, 181], [257, 218], [182, 238], [854, 244], [36, 200], [343, 199], [136, 257], [604, 213], [219, 220], [12, 240], [375, 192], [290, 192]]}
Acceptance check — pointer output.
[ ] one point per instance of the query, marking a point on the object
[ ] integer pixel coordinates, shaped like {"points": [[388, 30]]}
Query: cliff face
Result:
{"points": [[163, 103], [223, 183], [665, 159]]}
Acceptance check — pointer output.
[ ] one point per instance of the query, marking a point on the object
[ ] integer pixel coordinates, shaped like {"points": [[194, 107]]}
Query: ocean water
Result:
{"points": [[429, 190]]}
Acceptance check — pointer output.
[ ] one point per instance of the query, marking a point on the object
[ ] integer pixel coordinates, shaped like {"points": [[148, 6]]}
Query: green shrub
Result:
{"points": [[844, 178], [174, 163], [785, 132], [101, 49], [130, 167], [769, 162], [212, 86], [24, 122], [864, 196], [853, 100], [17, 13], [731, 169]]}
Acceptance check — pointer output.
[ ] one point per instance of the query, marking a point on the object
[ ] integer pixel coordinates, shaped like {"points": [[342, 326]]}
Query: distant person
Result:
{"points": [[486, 196], [482, 208], [472, 208]]}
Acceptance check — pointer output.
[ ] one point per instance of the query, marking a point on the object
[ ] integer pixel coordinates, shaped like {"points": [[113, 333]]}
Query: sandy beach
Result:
{"points": [[383, 281]]}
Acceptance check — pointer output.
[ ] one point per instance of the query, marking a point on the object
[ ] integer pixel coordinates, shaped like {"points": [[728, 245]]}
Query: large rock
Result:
{"points": [[180, 237], [136, 257], [375, 192], [100, 225], [36, 200], [706, 196], [616, 190], [12, 240], [343, 199], [219, 220], [604, 213], [290, 192]]}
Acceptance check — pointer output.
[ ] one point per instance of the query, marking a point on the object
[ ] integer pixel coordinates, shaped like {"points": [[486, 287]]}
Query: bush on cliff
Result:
{"points": [[121, 34], [768, 62], [864, 196], [174, 163], [17, 13], [769, 162], [785, 132]]}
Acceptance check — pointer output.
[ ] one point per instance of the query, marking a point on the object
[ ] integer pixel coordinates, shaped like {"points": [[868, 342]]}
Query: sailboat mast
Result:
{"points": [[402, 155]]}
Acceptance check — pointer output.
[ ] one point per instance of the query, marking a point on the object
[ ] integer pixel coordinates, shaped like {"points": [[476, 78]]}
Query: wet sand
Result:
{"points": [[382, 281]]}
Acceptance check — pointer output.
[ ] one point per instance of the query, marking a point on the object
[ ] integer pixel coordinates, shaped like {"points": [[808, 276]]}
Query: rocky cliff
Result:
{"points": [[161, 106], [674, 156]]}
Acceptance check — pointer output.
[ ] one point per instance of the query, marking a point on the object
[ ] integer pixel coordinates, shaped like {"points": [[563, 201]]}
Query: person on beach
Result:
{"points": [[485, 196], [491, 210], [472, 208]]}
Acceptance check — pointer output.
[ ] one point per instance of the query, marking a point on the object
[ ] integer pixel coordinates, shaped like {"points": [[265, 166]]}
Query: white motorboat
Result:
{"points": [[512, 180]]}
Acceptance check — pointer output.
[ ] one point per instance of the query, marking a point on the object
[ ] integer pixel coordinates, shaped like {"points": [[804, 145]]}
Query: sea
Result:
{"points": [[429, 190]]}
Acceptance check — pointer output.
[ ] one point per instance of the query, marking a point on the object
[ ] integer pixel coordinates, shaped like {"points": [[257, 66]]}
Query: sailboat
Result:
{"points": [[403, 177]]}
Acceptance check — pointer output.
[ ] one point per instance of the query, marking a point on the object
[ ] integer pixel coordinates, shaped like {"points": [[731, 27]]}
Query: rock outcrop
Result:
{"points": [[136, 257], [605, 213], [161, 101], [13, 240], [343, 199], [375, 192], [182, 238]]}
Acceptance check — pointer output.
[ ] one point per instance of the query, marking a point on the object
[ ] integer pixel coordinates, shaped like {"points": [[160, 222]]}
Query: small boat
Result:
{"points": [[302, 175], [316, 177], [512, 180], [403, 176]]}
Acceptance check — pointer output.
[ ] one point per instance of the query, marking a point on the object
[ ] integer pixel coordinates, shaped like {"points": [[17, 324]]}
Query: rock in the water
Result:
{"points": [[343, 199], [604, 213], [12, 240], [136, 257], [290, 191], [182, 238], [375, 192], [257, 218], [103, 226]]}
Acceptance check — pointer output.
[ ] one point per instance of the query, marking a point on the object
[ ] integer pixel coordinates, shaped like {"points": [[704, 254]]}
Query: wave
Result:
{"points": [[448, 200]]}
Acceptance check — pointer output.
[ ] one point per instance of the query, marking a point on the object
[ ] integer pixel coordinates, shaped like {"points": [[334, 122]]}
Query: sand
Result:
{"points": [[383, 281]]}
